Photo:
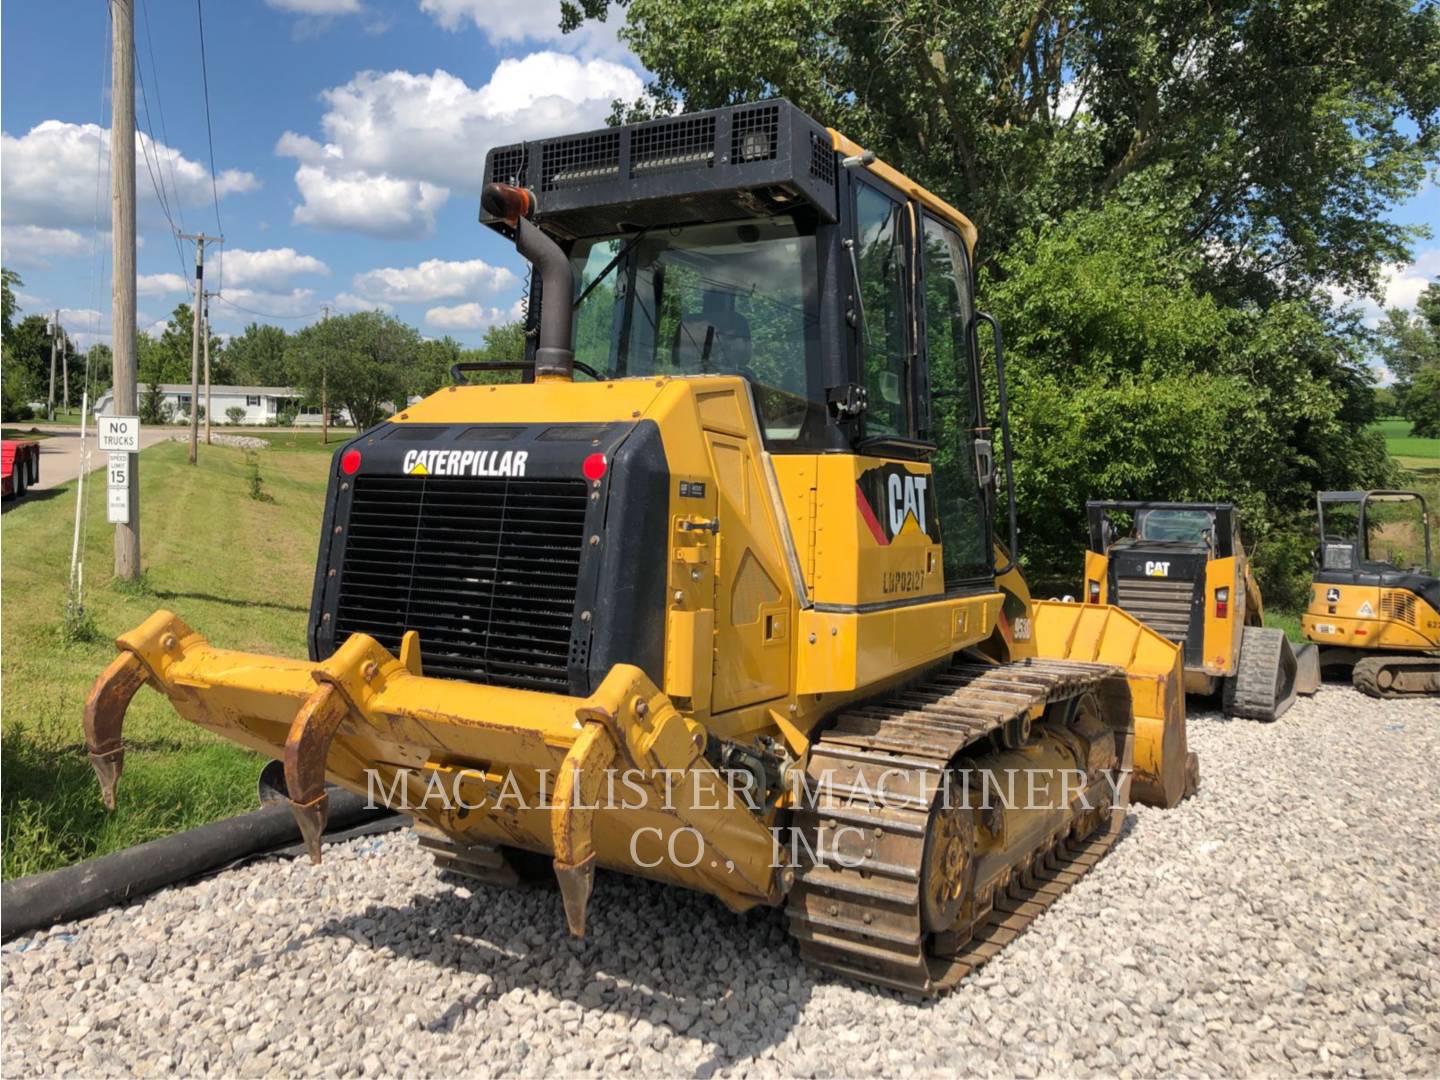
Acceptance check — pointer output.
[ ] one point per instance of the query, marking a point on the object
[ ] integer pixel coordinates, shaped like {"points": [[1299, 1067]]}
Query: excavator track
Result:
{"points": [[1263, 686], [1397, 676], [883, 915]]}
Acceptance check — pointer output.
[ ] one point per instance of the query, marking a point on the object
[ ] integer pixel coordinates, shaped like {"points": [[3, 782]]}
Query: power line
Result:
{"points": [[160, 104], [209, 134], [263, 314], [157, 183]]}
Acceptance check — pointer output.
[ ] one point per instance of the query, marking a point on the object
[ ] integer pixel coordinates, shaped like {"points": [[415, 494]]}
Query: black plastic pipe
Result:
{"points": [[72, 892]]}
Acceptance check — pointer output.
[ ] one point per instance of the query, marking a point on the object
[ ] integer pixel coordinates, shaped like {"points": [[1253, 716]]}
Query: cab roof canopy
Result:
{"points": [[741, 161]]}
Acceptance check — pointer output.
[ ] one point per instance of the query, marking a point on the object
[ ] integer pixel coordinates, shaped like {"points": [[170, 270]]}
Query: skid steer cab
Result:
{"points": [[1375, 601], [721, 586], [1181, 568]]}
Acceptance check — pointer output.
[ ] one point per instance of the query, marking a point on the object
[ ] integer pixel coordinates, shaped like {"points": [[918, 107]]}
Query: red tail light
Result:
{"points": [[1093, 591], [350, 462], [1222, 603]]}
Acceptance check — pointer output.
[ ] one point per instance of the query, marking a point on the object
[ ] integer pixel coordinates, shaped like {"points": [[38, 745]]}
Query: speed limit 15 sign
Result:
{"points": [[119, 433]]}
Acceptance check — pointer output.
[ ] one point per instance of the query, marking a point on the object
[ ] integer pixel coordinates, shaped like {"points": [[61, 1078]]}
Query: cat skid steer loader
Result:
{"points": [[734, 530], [1181, 568]]}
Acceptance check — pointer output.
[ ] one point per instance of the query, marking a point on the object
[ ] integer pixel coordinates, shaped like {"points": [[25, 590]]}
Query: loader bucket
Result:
{"points": [[1165, 769], [484, 765]]}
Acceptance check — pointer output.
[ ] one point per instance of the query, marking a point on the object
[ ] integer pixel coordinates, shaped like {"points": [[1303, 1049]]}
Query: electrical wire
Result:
{"points": [[263, 314], [146, 149], [160, 105], [209, 133]]}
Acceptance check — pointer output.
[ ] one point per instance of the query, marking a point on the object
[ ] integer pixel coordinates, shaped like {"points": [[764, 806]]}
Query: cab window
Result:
{"points": [[880, 259], [954, 415]]}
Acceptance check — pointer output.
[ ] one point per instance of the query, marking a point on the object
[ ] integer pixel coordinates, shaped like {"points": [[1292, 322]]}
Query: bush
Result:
{"points": [[235, 415], [286, 417], [1282, 562]]}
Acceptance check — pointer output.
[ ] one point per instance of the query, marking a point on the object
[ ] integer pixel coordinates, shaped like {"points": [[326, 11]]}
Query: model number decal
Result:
{"points": [[1157, 569], [464, 463]]}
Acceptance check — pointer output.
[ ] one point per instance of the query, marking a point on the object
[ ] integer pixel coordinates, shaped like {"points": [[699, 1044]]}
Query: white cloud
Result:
{"points": [[272, 267], [317, 7], [379, 205], [1401, 285], [160, 284], [471, 316], [535, 21], [259, 303], [49, 175], [32, 245], [350, 302], [395, 143], [433, 279]]}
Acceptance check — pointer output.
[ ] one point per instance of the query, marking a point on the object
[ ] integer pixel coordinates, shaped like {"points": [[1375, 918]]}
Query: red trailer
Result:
{"points": [[20, 459]]}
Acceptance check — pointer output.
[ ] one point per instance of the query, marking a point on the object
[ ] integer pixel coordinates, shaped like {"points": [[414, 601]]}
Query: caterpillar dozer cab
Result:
{"points": [[733, 531], [1181, 568], [1377, 617]]}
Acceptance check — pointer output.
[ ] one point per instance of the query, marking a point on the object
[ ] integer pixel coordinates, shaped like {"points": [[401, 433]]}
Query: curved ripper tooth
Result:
{"points": [[104, 717], [306, 748], [576, 793]]}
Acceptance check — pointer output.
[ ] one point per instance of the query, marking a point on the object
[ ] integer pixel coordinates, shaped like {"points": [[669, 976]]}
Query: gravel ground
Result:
{"points": [[1287, 920], [240, 442]]}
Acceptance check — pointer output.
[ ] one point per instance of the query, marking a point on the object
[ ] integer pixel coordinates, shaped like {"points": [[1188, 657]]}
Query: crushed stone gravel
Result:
{"points": [[1285, 920]]}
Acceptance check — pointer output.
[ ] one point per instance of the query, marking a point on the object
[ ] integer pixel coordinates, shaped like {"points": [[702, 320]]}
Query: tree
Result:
{"points": [[1422, 404], [257, 356], [27, 357], [234, 415], [364, 361], [9, 279], [1287, 129], [100, 363], [153, 405], [166, 359], [431, 370]]}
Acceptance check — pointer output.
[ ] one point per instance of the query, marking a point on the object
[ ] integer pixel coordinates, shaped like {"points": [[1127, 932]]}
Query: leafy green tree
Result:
{"points": [[27, 357], [431, 370], [1422, 404], [9, 279], [257, 356], [1288, 129], [364, 361], [506, 341], [153, 405], [166, 359]]}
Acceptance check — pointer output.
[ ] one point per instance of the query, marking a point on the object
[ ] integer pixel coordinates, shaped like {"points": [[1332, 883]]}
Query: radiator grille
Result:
{"points": [[507, 165], [1399, 606], [1162, 604], [484, 569]]}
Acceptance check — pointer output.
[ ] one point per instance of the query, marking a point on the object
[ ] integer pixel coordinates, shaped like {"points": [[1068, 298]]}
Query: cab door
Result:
{"points": [[956, 408]]}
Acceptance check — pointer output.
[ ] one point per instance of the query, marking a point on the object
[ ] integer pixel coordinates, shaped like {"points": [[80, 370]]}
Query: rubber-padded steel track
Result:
{"points": [[1390, 676], [865, 917], [1263, 686]]}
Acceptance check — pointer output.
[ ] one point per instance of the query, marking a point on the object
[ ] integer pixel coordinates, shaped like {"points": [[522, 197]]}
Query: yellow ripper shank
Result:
{"points": [[527, 769]]}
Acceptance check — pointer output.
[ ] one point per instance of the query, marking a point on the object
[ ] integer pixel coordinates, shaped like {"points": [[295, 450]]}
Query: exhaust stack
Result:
{"points": [[555, 353]]}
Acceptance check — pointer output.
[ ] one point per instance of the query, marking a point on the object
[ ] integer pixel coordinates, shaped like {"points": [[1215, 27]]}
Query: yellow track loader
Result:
{"points": [[1378, 617], [712, 594], [1182, 569]]}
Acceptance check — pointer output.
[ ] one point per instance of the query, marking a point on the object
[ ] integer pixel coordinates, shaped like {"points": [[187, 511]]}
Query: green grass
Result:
{"points": [[237, 569], [1412, 452], [1287, 622], [23, 433]]}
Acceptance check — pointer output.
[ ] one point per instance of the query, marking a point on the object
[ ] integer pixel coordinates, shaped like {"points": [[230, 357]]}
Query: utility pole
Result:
{"points": [[324, 361], [195, 318], [122, 234], [65, 375], [54, 338], [205, 337]]}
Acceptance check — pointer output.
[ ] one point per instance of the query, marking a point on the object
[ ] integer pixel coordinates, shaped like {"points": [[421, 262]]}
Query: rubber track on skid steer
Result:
{"points": [[1254, 693], [1403, 669], [865, 921]]}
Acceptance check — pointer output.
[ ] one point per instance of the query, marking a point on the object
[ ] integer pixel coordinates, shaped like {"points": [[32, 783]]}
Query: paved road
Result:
{"points": [[60, 454]]}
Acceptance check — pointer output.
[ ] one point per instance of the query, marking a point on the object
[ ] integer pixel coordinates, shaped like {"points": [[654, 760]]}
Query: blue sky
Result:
{"points": [[349, 137]]}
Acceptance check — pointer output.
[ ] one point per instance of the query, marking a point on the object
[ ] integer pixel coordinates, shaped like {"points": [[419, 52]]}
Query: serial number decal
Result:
{"points": [[902, 581], [1324, 628], [464, 463]]}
